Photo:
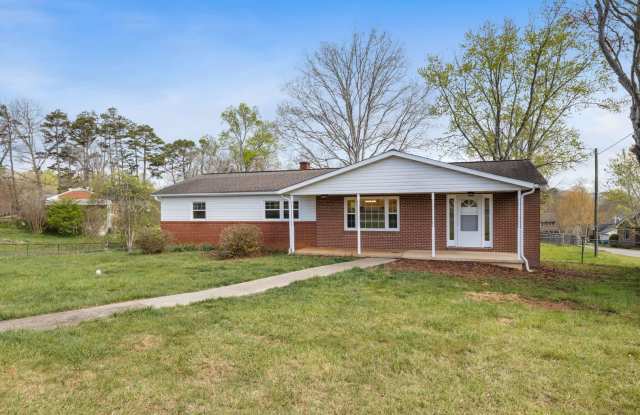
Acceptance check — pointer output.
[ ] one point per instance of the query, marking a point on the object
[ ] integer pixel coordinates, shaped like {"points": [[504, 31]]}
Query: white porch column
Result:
{"points": [[433, 224], [292, 229], [358, 223], [519, 221]]}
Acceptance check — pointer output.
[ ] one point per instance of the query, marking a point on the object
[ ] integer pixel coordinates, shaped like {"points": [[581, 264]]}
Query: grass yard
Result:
{"points": [[12, 234], [374, 341], [37, 285]]}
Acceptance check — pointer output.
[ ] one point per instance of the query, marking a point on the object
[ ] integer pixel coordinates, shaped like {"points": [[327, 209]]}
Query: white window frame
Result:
{"points": [[264, 209], [386, 214], [456, 213], [285, 210], [193, 202]]}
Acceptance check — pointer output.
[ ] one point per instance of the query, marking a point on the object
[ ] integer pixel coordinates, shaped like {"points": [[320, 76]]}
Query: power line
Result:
{"points": [[616, 143]]}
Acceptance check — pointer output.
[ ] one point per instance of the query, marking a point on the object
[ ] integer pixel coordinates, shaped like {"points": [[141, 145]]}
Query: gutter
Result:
{"points": [[521, 213]]}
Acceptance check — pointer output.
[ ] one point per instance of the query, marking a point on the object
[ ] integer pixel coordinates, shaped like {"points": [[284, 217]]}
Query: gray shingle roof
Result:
{"points": [[272, 181], [514, 169], [264, 181]]}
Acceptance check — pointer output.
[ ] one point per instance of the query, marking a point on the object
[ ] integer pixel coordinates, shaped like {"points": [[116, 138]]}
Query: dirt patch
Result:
{"points": [[494, 297], [476, 270]]}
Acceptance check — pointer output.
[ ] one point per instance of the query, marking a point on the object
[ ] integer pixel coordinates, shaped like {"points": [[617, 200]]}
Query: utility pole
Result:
{"points": [[596, 242]]}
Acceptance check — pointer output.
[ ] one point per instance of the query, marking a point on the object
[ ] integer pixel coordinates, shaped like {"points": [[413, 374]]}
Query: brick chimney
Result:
{"points": [[305, 165]]}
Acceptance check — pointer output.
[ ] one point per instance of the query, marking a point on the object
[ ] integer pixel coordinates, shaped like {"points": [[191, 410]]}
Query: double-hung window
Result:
{"points": [[272, 209], [376, 213], [199, 210], [296, 209]]}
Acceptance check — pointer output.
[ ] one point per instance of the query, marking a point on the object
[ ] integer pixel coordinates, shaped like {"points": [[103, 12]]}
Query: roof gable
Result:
{"points": [[405, 172]]}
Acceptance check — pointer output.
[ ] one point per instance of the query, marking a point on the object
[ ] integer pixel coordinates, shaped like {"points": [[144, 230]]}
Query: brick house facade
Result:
{"points": [[414, 232], [406, 203]]}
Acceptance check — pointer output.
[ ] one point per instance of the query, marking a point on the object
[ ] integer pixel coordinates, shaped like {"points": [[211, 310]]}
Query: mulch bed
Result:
{"points": [[478, 270]]}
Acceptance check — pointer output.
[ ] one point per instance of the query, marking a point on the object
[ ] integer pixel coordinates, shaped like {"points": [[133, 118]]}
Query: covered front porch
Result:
{"points": [[504, 259]]}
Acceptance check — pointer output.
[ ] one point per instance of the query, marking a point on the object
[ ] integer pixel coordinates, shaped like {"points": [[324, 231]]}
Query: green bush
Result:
{"points": [[65, 218], [239, 241], [152, 241]]}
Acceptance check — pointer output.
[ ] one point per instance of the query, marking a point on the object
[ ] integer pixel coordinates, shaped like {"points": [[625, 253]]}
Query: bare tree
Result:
{"points": [[8, 139], [353, 101], [28, 117], [617, 25]]}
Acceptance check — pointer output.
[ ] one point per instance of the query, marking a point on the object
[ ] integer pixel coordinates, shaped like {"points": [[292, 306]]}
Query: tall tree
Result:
{"points": [[177, 159], [84, 137], [513, 89], [624, 176], [353, 101], [251, 141], [617, 27], [114, 130], [28, 119], [143, 147], [8, 138], [574, 210], [210, 157], [55, 133]]}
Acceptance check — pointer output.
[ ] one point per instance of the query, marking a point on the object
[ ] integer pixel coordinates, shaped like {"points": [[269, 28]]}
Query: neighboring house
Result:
{"points": [[548, 223], [85, 197], [629, 232], [605, 231], [407, 204]]}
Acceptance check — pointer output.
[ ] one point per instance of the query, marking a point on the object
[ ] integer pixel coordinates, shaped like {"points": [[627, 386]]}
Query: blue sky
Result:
{"points": [[176, 65]]}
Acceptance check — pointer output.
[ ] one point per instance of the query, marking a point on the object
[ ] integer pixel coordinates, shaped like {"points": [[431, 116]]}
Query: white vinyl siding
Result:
{"points": [[232, 208], [397, 175]]}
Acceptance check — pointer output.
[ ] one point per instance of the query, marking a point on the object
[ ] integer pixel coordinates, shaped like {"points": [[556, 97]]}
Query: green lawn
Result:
{"points": [[12, 234], [36, 285], [371, 341]]}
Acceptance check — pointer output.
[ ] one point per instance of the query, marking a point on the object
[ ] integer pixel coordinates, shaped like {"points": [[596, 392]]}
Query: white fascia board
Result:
{"points": [[217, 194], [412, 157]]}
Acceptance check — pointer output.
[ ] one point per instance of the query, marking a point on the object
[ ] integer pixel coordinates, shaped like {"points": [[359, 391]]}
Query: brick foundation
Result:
{"points": [[275, 234]]}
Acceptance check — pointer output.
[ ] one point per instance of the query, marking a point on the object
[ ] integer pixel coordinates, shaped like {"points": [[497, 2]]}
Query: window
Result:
{"points": [[272, 209], [376, 213], [487, 219], [296, 209], [626, 234], [468, 216], [393, 213], [452, 219], [199, 210]]}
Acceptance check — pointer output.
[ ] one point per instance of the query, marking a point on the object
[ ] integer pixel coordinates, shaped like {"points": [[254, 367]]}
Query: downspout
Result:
{"points": [[291, 223], [521, 213]]}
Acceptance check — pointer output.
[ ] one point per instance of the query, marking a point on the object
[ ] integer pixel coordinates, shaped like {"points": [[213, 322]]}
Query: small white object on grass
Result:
{"points": [[98, 272]]}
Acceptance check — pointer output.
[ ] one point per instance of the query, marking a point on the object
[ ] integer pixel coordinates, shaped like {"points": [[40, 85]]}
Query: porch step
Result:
{"points": [[502, 259]]}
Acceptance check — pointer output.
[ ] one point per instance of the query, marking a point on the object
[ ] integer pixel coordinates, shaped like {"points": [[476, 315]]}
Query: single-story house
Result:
{"points": [[409, 206], [629, 232], [85, 197], [605, 231]]}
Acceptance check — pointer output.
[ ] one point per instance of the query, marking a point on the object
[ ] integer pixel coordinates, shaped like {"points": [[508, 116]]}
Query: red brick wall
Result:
{"points": [[415, 225], [275, 234]]}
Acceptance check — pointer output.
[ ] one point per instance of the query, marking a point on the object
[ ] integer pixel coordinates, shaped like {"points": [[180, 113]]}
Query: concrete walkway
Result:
{"points": [[621, 251], [73, 317]]}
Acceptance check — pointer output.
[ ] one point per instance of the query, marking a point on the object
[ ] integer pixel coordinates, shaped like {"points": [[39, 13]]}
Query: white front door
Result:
{"points": [[469, 221]]}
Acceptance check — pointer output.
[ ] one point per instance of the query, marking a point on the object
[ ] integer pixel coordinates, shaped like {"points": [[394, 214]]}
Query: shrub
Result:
{"points": [[240, 240], [152, 240], [65, 218]]}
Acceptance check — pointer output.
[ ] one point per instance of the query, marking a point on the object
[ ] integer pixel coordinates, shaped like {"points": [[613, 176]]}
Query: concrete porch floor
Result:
{"points": [[504, 259]]}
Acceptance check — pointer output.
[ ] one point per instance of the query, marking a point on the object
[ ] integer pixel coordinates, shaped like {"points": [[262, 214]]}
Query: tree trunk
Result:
{"points": [[635, 122]]}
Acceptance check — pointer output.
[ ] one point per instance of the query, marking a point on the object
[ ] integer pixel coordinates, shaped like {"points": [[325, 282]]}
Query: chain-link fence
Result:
{"points": [[40, 249]]}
